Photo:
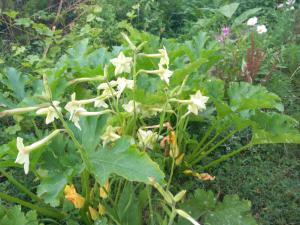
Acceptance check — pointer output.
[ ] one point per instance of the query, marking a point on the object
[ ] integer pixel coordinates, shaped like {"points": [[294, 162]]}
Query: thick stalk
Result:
{"points": [[20, 186], [44, 211], [72, 136], [199, 151], [204, 154], [204, 138], [150, 205], [224, 157]]}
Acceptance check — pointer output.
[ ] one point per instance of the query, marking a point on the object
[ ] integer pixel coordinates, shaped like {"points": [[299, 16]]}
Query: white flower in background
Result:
{"points": [[50, 112], [261, 29], [291, 8], [164, 60], [290, 2], [24, 151], [280, 6], [252, 21], [129, 107], [122, 84], [110, 135], [122, 64], [147, 138], [197, 103]]}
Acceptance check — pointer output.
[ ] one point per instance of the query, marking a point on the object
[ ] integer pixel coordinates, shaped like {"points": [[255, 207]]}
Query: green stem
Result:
{"points": [[72, 136], [150, 205], [204, 154], [44, 211], [20, 186], [134, 75], [172, 216], [224, 157], [171, 173], [199, 151], [204, 138], [85, 188]]}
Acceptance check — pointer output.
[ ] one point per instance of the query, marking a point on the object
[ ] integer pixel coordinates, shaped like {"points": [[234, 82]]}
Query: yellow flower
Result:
{"points": [[93, 212], [104, 190], [73, 196], [101, 209]]}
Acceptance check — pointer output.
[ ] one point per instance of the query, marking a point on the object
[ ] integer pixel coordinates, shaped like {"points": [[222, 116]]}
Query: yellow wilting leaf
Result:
{"points": [[104, 190], [101, 209], [73, 196], [93, 213], [200, 176], [179, 159]]}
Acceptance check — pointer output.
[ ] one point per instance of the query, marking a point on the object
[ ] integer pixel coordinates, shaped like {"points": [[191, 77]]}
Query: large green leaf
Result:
{"points": [[124, 159], [232, 211], [15, 82], [198, 204], [228, 10], [180, 74], [245, 15], [274, 128], [245, 96], [51, 188], [91, 128], [14, 216]]}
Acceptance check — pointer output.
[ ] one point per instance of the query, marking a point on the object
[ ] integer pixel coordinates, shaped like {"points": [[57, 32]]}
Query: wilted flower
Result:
{"points": [[261, 29], [122, 64], [72, 195], [50, 112], [147, 138], [200, 176], [197, 103], [24, 151], [129, 107], [252, 21], [110, 135]]}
